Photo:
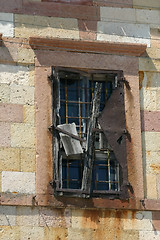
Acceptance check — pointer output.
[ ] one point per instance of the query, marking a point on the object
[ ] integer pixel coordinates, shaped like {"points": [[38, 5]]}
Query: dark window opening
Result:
{"points": [[72, 106]]}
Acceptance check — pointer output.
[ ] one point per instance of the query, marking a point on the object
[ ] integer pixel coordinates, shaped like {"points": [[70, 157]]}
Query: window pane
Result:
{"points": [[76, 96]]}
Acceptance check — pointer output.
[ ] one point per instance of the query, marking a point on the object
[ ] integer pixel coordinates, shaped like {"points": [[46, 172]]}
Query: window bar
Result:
{"points": [[79, 104], [66, 101]]}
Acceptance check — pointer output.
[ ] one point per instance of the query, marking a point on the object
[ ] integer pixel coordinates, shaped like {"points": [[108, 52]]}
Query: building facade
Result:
{"points": [[44, 41]]}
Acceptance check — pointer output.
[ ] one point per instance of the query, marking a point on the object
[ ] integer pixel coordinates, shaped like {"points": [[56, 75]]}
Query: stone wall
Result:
{"points": [[27, 209]]}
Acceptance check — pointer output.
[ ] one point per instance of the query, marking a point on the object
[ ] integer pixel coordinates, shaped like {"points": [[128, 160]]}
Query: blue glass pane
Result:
{"points": [[109, 89], [62, 110], [64, 172], [73, 110], [114, 186], [72, 90], [74, 185], [62, 93], [85, 110], [74, 170], [102, 186], [101, 173]]}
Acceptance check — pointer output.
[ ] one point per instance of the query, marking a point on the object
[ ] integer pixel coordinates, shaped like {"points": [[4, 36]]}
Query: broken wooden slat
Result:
{"points": [[89, 155], [71, 146], [55, 122]]}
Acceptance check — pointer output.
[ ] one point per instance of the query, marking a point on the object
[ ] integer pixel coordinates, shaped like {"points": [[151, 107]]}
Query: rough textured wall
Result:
{"points": [[137, 22], [61, 224]]}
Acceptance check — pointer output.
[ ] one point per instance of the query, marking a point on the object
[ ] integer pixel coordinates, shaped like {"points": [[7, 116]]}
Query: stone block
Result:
{"points": [[114, 3], [155, 37], [102, 233], [85, 219], [158, 100], [150, 80], [55, 217], [22, 135], [27, 26], [18, 182], [148, 99], [156, 220], [158, 185], [14, 74], [26, 56], [151, 141], [28, 160], [5, 137], [147, 64], [150, 121], [152, 162], [151, 185], [7, 216], [123, 32], [9, 159], [8, 55], [141, 220], [80, 234], [6, 24], [148, 16], [9, 233], [27, 216], [56, 233], [31, 76], [29, 114], [118, 14], [87, 30], [153, 52], [122, 39], [127, 235], [4, 93], [22, 94], [154, 4], [31, 233], [11, 112], [149, 235]]}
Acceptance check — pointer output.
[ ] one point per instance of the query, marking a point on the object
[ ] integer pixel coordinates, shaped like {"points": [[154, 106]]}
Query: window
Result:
{"points": [[88, 133]]}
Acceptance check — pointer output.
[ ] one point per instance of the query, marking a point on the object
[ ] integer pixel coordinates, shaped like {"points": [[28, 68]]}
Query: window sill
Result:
{"points": [[93, 203]]}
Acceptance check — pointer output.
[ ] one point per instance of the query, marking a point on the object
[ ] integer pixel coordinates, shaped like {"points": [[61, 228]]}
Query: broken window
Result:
{"points": [[89, 135]]}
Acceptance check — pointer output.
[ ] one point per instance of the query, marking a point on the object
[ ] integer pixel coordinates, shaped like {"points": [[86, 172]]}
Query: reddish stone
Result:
{"points": [[61, 10], [5, 137], [87, 29], [88, 46], [11, 5], [156, 220], [43, 99], [88, 61], [79, 2], [114, 3], [150, 121], [11, 113]]}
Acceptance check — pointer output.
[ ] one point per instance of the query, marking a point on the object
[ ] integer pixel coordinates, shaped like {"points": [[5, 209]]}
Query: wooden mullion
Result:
{"points": [[89, 154], [55, 122]]}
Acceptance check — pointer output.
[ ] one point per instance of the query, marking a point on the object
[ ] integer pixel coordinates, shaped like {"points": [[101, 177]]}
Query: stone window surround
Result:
{"points": [[43, 101], [129, 66]]}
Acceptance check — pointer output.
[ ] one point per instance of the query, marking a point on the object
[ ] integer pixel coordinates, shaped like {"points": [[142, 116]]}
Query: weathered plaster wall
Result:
{"points": [[20, 217]]}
